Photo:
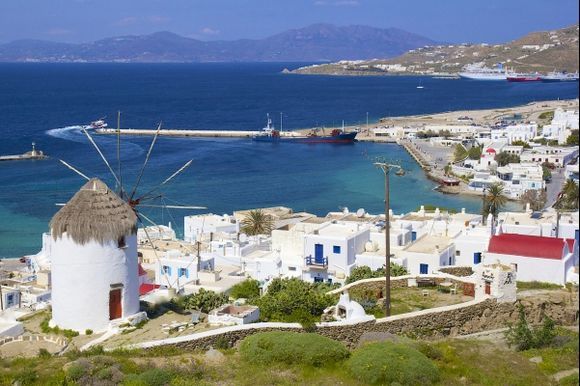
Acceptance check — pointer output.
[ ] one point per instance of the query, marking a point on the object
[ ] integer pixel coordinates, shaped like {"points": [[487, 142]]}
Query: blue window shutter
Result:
{"points": [[186, 273], [169, 271]]}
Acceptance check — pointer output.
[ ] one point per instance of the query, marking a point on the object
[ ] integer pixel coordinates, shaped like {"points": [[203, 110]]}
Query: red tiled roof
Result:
{"points": [[145, 288], [529, 246]]}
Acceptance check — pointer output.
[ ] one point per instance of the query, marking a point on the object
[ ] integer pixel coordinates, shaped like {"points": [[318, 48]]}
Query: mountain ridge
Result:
{"points": [[316, 42]]}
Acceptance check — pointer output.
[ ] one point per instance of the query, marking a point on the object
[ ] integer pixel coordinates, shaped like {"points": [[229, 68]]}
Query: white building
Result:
{"points": [[535, 258], [559, 156], [428, 254], [194, 227], [517, 178], [470, 245], [561, 126], [520, 132], [94, 260], [230, 314], [544, 223]]}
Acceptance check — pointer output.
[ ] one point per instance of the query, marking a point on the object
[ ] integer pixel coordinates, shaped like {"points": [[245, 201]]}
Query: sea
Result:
{"points": [[49, 103]]}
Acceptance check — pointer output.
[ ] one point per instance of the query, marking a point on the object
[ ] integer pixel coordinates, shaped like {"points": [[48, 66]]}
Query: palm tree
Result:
{"points": [[256, 222], [570, 195], [493, 200]]}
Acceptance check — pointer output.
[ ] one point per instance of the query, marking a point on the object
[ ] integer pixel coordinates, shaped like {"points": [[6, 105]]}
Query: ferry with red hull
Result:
{"points": [[269, 134], [514, 77]]}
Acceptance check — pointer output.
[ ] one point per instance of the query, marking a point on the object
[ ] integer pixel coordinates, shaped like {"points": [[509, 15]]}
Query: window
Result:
{"points": [[336, 249], [477, 258], [423, 269], [458, 253], [183, 272], [9, 300], [121, 242], [291, 268], [166, 270]]}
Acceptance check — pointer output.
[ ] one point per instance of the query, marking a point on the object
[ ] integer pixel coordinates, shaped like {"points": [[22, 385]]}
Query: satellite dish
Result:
{"points": [[360, 213], [243, 237]]}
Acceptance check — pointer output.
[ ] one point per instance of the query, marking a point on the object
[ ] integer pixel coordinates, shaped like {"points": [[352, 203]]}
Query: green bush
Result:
{"points": [[292, 348], [523, 337], [247, 289], [389, 363], [364, 272], [44, 353], [88, 331], [76, 372], [285, 297], [204, 301]]}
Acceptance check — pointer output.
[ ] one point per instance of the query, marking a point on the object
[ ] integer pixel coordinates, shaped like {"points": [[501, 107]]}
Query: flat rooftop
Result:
{"points": [[429, 244], [339, 230]]}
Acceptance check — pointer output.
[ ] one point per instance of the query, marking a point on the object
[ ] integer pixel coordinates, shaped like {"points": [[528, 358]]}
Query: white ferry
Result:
{"points": [[479, 72]]}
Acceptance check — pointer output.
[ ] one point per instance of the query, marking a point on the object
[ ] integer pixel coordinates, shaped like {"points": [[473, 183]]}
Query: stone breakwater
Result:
{"points": [[460, 319]]}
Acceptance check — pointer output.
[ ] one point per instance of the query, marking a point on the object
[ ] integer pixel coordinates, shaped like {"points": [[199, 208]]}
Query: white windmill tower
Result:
{"points": [[94, 254], [94, 260]]}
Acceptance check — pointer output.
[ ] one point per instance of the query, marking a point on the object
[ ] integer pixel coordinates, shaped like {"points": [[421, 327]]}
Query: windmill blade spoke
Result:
{"points": [[102, 156], [74, 169], [145, 163], [181, 169], [119, 153], [172, 206]]}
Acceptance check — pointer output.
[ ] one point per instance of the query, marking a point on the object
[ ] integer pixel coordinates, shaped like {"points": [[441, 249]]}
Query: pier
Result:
{"points": [[191, 133], [29, 155]]}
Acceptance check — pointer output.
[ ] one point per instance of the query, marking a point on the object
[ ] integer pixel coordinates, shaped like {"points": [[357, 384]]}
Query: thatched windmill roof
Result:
{"points": [[94, 213]]}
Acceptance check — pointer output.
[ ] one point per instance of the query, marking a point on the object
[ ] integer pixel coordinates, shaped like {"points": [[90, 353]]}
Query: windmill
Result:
{"points": [[135, 199]]}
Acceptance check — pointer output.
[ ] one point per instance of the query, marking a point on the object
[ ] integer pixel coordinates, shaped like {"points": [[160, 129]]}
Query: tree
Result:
{"points": [[524, 338], [493, 200], [257, 222], [365, 272], [572, 139], [519, 142], [547, 171], [460, 153], [504, 158], [475, 152], [445, 134], [536, 198]]}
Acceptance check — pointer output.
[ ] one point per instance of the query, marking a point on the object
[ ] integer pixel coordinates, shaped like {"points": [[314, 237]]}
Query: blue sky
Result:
{"points": [[443, 20]]}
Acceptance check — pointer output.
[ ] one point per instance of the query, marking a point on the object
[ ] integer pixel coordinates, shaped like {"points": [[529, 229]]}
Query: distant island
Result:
{"points": [[315, 43], [538, 51]]}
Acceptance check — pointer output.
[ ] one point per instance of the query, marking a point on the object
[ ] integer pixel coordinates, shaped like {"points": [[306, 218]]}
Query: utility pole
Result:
{"points": [[386, 168]]}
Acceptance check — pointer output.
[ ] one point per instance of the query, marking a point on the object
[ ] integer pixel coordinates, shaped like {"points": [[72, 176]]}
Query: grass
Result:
{"points": [[459, 362], [536, 285]]}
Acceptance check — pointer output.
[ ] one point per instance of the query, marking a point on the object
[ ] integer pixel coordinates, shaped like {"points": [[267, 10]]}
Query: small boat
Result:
{"points": [[98, 124], [563, 76], [400, 172], [519, 77], [420, 87], [270, 134]]}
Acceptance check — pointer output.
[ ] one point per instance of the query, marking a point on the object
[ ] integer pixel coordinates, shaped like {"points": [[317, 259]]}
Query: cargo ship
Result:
{"points": [[270, 134]]}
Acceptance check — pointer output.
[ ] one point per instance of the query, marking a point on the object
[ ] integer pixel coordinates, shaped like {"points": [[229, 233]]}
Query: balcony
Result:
{"points": [[316, 262]]}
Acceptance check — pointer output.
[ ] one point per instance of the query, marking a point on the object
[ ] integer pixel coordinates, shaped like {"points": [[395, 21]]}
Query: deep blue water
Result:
{"points": [[44, 103]]}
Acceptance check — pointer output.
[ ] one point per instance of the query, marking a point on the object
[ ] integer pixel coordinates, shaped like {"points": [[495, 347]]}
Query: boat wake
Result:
{"points": [[74, 133], [69, 133]]}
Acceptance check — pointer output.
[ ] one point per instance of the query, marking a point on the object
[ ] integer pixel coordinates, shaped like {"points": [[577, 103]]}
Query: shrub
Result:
{"points": [[247, 289], [151, 377], [524, 338], [44, 354], [388, 363], [76, 371], [88, 331], [292, 348], [287, 296], [364, 272], [204, 300]]}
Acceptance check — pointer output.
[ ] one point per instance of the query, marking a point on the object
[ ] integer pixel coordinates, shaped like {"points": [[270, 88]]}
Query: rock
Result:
{"points": [[536, 360], [214, 356], [487, 313]]}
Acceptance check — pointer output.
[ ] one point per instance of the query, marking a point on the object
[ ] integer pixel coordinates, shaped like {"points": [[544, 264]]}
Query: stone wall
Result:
{"points": [[457, 271], [458, 319]]}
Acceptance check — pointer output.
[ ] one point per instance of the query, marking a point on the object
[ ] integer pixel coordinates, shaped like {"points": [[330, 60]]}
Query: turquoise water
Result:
{"points": [[45, 103]]}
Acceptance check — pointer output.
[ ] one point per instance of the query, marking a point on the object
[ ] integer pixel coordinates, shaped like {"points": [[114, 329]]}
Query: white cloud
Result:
{"points": [[210, 31]]}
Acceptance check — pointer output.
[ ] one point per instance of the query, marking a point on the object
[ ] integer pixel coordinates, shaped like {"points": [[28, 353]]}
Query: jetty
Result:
{"points": [[190, 133], [29, 155]]}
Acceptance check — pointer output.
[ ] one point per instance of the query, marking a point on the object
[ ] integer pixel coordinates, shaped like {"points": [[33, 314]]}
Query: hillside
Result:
{"points": [[537, 51], [318, 42]]}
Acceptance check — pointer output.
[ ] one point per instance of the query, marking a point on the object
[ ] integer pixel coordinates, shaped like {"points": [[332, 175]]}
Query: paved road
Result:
{"points": [[438, 156], [555, 186]]}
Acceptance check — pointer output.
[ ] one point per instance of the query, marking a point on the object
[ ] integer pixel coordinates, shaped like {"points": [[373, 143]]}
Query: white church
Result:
{"points": [[94, 260]]}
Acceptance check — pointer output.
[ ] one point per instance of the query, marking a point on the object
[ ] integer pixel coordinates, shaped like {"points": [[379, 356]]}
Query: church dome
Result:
{"points": [[94, 213]]}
